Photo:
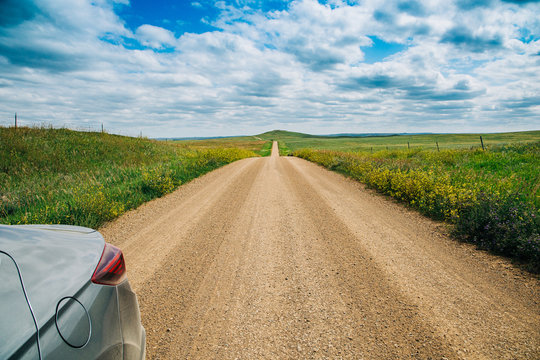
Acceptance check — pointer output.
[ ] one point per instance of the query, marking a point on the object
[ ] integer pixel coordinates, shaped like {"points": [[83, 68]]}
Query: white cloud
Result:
{"points": [[302, 68], [154, 36]]}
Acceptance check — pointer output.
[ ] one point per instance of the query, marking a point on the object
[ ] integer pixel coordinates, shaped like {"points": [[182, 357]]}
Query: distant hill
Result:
{"points": [[353, 135], [200, 138], [292, 135], [283, 134]]}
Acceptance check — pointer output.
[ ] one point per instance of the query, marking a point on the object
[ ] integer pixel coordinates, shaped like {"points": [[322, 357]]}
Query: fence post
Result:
{"points": [[482, 142], [408, 146], [15, 121], [372, 149], [436, 142]]}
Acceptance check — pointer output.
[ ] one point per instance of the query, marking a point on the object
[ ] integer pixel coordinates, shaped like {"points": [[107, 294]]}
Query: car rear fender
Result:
{"points": [[54, 264], [101, 304]]}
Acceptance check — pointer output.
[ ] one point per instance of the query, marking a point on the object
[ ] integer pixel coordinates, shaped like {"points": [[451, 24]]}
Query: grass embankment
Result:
{"points": [[66, 177], [491, 197]]}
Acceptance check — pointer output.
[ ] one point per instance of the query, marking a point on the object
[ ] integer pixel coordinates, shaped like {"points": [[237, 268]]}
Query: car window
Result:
{"points": [[17, 328]]}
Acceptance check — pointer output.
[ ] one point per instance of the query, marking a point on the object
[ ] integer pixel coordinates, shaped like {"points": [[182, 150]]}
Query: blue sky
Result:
{"points": [[176, 16], [205, 68]]}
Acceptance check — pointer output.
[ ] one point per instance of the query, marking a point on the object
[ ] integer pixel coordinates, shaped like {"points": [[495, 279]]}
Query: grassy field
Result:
{"points": [[295, 141], [491, 197], [81, 178]]}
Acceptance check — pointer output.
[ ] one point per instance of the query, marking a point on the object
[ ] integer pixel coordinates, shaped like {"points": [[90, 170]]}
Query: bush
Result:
{"points": [[92, 206], [157, 181], [505, 225]]}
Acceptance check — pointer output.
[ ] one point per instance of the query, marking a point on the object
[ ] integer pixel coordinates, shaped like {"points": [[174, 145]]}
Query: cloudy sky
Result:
{"points": [[205, 68]]}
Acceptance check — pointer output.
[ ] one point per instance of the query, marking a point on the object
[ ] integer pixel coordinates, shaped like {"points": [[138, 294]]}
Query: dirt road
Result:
{"points": [[277, 258]]}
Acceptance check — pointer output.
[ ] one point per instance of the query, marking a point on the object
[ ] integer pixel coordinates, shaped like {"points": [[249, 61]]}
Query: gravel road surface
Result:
{"points": [[278, 258]]}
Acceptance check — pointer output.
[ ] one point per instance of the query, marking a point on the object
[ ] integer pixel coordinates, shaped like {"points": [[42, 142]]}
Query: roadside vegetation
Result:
{"points": [[491, 197], [266, 150], [283, 149], [59, 176]]}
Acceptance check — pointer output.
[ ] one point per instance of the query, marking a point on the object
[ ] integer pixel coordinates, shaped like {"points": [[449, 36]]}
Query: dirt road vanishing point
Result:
{"points": [[277, 258]]}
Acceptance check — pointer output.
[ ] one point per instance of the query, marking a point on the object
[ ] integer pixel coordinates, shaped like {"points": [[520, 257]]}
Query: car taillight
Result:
{"points": [[111, 269]]}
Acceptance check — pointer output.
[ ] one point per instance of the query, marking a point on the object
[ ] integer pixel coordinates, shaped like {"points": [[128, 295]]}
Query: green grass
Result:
{"points": [[283, 148], [491, 198], [80, 178], [266, 150]]}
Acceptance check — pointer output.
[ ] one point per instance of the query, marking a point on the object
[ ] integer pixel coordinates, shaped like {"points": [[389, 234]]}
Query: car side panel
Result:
{"points": [[53, 264], [56, 263], [101, 302]]}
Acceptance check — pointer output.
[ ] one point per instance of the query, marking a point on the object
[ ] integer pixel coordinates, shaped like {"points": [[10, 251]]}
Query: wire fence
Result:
{"points": [[17, 121]]}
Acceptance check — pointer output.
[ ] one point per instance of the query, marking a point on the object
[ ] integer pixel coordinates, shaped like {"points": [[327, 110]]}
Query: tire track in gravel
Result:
{"points": [[277, 258]]}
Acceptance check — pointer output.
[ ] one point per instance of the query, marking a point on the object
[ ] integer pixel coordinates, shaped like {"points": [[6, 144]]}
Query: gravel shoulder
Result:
{"points": [[278, 258]]}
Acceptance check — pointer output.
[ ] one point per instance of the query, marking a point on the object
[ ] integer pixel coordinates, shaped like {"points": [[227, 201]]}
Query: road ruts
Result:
{"points": [[277, 258]]}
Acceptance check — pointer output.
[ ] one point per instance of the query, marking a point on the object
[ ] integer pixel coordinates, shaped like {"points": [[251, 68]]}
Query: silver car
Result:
{"points": [[64, 295]]}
